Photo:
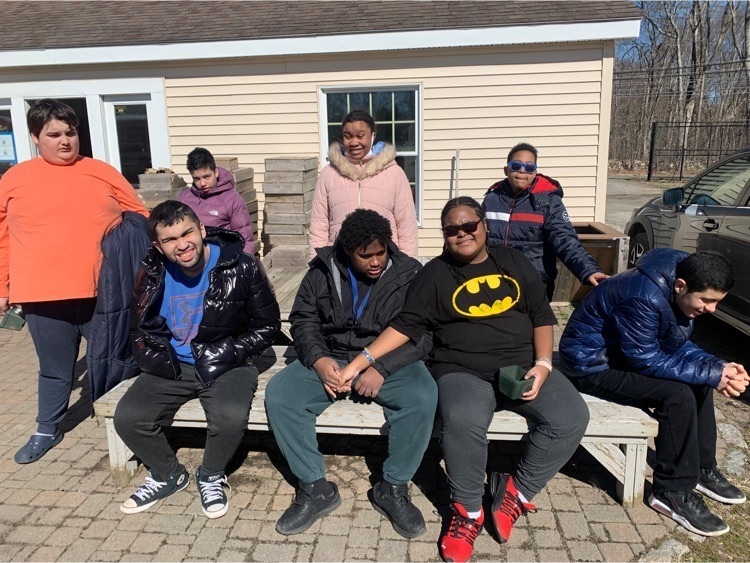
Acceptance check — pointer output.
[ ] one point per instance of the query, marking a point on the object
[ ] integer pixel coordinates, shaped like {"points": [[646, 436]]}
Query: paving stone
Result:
{"points": [[208, 544], [13, 513], [81, 550], [363, 537], [329, 548], [564, 502], [245, 529], [22, 496], [616, 551], [54, 516], [93, 505], [45, 553], [168, 523], [519, 537], [670, 550], [359, 554], [552, 555], [179, 539], [279, 552], [304, 553], [590, 495], [514, 554], [599, 513], [147, 543], [100, 555], [637, 548], [423, 551], [651, 533], [33, 535], [584, 551], [229, 555], [99, 529], [367, 518], [63, 537], [135, 522], [136, 557], [599, 532], [547, 538], [336, 526], [622, 532]]}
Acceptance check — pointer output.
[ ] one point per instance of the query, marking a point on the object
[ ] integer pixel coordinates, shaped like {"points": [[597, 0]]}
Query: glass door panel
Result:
{"points": [[133, 144]]}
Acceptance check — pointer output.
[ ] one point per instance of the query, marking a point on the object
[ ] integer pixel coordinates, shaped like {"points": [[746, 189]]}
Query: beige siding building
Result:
{"points": [[472, 81]]}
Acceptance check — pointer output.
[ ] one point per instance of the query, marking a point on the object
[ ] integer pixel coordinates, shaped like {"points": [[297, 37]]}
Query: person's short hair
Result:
{"points": [[199, 158], [704, 270], [169, 212], [523, 147], [44, 111], [359, 115], [363, 227]]}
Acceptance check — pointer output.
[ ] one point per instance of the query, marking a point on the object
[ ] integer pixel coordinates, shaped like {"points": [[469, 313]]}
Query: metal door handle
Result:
{"points": [[710, 225]]}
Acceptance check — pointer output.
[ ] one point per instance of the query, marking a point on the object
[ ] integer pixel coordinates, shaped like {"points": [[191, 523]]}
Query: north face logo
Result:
{"points": [[214, 213]]}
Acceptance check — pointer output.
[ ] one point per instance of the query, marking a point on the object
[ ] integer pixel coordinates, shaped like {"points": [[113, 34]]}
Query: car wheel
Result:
{"points": [[638, 247]]}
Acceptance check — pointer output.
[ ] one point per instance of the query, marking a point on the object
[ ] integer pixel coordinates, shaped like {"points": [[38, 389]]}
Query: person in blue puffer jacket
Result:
{"points": [[525, 211], [628, 342]]}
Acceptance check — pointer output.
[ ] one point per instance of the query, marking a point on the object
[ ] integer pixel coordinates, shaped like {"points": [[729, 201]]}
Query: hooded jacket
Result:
{"points": [[536, 222], [376, 183], [630, 322], [221, 207], [240, 314], [323, 326]]}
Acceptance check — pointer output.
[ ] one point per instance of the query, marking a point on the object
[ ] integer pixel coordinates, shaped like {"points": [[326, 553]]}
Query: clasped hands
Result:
{"points": [[343, 380], [734, 380]]}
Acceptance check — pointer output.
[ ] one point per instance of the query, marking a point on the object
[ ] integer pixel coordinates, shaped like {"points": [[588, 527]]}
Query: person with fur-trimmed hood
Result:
{"points": [[525, 211], [362, 174]]}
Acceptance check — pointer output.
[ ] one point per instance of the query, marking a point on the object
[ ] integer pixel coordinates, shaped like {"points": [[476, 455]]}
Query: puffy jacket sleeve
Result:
{"points": [[559, 232], [637, 321], [265, 318], [405, 215], [239, 220], [320, 222], [305, 319]]}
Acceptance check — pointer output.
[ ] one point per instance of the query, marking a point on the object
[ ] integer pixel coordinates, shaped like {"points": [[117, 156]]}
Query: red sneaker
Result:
{"points": [[506, 506], [457, 543]]}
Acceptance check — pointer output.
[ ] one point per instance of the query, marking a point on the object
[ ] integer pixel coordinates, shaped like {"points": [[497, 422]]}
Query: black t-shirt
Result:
{"points": [[482, 318]]}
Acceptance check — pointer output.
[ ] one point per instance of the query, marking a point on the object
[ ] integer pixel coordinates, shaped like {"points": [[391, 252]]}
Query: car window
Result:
{"points": [[722, 185]]}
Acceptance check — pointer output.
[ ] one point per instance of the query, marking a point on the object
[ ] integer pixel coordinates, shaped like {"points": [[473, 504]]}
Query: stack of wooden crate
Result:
{"points": [[244, 184], [288, 185]]}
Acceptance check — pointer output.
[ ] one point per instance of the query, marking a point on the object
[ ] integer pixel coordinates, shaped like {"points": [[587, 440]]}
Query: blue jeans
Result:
{"points": [[295, 397]]}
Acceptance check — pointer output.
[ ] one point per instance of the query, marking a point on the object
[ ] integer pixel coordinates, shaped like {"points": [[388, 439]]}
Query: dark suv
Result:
{"points": [[710, 212]]}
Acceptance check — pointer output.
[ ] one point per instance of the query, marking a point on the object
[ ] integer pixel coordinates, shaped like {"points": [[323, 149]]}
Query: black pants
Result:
{"points": [[153, 400], [687, 423]]}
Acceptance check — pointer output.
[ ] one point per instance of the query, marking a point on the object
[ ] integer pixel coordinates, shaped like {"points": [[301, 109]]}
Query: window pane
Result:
{"points": [[132, 140], [723, 185], [334, 133], [405, 138], [382, 108], [359, 100], [384, 132], [8, 155], [336, 107], [409, 164], [406, 109]]}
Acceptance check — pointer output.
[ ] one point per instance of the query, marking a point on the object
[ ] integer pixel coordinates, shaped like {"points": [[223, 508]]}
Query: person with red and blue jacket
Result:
{"points": [[525, 211]]}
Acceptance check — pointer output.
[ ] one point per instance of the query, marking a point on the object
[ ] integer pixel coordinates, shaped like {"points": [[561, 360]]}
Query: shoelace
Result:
{"points": [[462, 527], [401, 496], [214, 490], [692, 500], [149, 488], [512, 506]]}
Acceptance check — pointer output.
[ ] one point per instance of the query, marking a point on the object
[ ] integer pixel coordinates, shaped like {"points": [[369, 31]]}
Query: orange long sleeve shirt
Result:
{"points": [[52, 222]]}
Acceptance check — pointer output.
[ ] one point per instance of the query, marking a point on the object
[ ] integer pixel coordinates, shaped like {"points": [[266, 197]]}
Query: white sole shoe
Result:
{"points": [[662, 508]]}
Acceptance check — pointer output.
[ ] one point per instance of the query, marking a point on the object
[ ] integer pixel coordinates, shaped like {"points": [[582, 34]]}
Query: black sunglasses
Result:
{"points": [[468, 228], [516, 165]]}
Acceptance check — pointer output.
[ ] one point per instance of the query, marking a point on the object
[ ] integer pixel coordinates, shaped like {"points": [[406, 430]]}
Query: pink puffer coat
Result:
{"points": [[377, 183]]}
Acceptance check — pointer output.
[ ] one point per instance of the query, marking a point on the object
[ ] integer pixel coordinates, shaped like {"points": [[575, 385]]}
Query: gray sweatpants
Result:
{"points": [[467, 403]]}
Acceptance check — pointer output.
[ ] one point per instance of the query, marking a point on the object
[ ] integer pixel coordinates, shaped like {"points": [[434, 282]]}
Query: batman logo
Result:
{"points": [[486, 296]]}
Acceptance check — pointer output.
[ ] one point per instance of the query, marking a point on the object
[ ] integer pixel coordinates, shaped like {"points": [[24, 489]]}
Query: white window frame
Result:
{"points": [[97, 94], [323, 91]]}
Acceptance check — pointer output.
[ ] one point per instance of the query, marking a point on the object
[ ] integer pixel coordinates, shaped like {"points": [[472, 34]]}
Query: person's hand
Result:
{"points": [[540, 374], [347, 374], [734, 380], [741, 372], [4, 305], [369, 383], [597, 278], [328, 371]]}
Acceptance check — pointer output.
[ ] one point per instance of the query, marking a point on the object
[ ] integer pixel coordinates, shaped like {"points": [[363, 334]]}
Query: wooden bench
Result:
{"points": [[617, 436]]}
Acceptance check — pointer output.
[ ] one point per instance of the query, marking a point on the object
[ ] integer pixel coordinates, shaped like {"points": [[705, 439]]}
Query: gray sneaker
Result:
{"points": [[155, 489], [688, 509]]}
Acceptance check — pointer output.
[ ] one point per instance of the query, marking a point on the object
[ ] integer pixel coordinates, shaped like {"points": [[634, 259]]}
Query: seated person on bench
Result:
{"points": [[352, 291], [628, 342], [201, 309]]}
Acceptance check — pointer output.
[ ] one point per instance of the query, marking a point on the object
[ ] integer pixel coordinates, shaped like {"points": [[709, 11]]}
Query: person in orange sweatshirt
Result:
{"points": [[54, 212]]}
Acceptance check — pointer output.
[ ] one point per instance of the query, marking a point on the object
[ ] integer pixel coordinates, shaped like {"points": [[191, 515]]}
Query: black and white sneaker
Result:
{"points": [[155, 489], [714, 485], [688, 509], [211, 487]]}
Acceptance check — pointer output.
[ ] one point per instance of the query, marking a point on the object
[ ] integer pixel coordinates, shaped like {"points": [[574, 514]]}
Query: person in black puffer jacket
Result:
{"points": [[202, 310], [351, 293], [525, 211]]}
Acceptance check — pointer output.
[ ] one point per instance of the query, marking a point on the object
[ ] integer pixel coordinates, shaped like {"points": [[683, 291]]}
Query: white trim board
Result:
{"points": [[387, 41]]}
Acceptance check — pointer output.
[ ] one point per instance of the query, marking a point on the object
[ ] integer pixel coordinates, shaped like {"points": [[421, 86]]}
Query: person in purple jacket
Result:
{"points": [[213, 197]]}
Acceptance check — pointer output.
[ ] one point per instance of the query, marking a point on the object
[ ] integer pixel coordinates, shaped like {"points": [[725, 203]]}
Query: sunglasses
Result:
{"points": [[468, 228], [516, 166]]}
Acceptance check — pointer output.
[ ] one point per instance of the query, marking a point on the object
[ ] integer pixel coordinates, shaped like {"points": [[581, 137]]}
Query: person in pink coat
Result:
{"points": [[362, 174], [213, 198]]}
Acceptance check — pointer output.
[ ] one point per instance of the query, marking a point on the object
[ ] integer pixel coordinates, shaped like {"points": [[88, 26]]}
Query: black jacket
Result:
{"points": [[321, 325], [240, 314], [108, 355]]}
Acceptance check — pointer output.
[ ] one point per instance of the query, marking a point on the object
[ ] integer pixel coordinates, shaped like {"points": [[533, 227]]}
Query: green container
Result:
{"points": [[510, 382], [12, 319]]}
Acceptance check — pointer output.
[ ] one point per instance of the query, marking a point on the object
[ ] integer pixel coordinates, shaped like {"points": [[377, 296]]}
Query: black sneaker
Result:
{"points": [[714, 485], [308, 505], [211, 487], [687, 509], [394, 502], [153, 490]]}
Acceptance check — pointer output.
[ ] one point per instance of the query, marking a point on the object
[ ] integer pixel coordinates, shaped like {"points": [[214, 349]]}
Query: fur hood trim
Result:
{"points": [[369, 168]]}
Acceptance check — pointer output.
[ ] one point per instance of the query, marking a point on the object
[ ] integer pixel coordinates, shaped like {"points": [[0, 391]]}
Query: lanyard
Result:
{"points": [[355, 296]]}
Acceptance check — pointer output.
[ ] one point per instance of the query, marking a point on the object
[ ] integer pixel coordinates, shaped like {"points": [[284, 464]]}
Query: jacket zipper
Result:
{"points": [[163, 341]]}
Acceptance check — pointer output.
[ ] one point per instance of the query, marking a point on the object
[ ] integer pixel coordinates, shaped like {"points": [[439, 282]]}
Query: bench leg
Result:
{"points": [[630, 490], [121, 459]]}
